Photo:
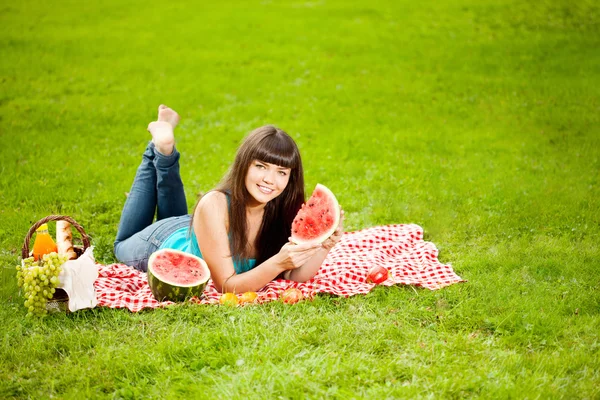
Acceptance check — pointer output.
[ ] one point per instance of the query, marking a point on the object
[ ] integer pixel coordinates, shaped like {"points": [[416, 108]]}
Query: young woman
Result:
{"points": [[241, 228]]}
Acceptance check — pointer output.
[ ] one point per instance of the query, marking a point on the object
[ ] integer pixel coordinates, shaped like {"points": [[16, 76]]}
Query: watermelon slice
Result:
{"points": [[174, 275], [318, 218]]}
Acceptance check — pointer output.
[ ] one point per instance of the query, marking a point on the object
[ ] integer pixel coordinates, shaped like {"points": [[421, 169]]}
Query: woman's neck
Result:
{"points": [[255, 210]]}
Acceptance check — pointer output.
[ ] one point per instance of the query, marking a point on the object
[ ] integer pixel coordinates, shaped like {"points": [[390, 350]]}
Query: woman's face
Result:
{"points": [[266, 181]]}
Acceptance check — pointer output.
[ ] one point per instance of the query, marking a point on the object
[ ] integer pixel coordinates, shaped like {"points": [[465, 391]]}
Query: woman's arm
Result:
{"points": [[211, 229], [264, 273]]}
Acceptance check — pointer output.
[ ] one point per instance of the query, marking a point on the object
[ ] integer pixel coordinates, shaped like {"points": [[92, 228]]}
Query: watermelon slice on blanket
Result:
{"points": [[318, 218], [174, 275]]}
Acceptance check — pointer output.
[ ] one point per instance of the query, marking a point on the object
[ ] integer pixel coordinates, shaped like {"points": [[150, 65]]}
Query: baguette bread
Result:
{"points": [[64, 239]]}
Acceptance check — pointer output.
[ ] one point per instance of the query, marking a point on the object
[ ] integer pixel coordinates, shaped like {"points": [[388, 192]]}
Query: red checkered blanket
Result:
{"points": [[399, 248]]}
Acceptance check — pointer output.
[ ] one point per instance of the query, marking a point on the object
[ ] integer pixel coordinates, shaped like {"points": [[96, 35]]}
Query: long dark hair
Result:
{"points": [[271, 145]]}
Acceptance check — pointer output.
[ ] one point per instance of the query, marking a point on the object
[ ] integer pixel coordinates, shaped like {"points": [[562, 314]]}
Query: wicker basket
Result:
{"points": [[60, 300]]}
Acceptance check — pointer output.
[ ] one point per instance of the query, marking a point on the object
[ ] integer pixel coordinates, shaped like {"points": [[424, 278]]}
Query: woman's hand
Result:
{"points": [[308, 269], [294, 255], [337, 235]]}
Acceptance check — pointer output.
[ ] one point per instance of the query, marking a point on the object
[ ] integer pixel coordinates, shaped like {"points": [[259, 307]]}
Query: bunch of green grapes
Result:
{"points": [[39, 280]]}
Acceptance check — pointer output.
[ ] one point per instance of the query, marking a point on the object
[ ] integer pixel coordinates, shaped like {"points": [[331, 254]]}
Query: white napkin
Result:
{"points": [[77, 279]]}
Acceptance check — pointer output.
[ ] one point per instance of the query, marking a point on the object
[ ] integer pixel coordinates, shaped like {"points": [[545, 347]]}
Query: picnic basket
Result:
{"points": [[60, 300]]}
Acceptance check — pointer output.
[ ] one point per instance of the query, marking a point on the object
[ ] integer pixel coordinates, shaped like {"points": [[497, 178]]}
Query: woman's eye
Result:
{"points": [[260, 166], [282, 173]]}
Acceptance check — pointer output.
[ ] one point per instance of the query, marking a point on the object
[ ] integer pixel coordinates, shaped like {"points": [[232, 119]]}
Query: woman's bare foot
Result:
{"points": [[162, 130], [168, 114]]}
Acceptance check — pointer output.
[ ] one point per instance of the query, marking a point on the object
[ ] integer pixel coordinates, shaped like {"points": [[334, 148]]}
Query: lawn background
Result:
{"points": [[477, 120]]}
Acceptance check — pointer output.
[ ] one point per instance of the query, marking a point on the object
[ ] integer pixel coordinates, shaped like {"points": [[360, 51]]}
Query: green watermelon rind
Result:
{"points": [[169, 291], [336, 214]]}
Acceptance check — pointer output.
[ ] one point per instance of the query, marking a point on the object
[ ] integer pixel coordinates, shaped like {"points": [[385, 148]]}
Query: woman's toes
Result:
{"points": [[169, 115]]}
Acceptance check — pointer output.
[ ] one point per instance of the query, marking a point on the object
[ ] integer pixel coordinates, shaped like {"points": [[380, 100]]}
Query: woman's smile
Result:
{"points": [[265, 189]]}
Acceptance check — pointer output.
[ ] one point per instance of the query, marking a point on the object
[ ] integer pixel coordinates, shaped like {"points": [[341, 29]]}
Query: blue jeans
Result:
{"points": [[157, 189]]}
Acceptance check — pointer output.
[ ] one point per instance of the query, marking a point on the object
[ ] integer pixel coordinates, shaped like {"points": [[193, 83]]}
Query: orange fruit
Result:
{"points": [[248, 297], [229, 299]]}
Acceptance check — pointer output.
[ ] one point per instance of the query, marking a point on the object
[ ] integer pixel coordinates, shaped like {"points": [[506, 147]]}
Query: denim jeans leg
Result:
{"points": [[135, 250], [140, 206], [170, 198], [157, 189]]}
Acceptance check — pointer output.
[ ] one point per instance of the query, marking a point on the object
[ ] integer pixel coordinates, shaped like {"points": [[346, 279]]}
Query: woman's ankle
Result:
{"points": [[162, 137]]}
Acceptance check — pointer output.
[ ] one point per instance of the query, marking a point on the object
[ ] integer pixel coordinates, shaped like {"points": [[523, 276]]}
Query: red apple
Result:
{"points": [[377, 274], [291, 296]]}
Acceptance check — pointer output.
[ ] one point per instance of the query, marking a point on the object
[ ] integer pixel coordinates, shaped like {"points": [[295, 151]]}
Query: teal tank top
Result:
{"points": [[184, 239]]}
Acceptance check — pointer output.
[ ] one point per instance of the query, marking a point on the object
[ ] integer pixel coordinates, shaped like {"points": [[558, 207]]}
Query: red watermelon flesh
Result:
{"points": [[174, 275], [318, 218]]}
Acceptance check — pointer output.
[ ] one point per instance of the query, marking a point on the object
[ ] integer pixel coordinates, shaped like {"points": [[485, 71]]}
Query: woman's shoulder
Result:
{"points": [[213, 201], [212, 209]]}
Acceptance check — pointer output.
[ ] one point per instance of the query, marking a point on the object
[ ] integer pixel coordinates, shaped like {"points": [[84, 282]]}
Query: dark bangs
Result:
{"points": [[279, 149]]}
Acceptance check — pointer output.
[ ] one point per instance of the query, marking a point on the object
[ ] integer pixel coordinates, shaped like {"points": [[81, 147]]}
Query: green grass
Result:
{"points": [[477, 120]]}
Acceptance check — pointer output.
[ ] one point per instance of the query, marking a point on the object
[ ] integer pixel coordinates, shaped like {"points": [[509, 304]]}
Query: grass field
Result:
{"points": [[477, 120]]}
